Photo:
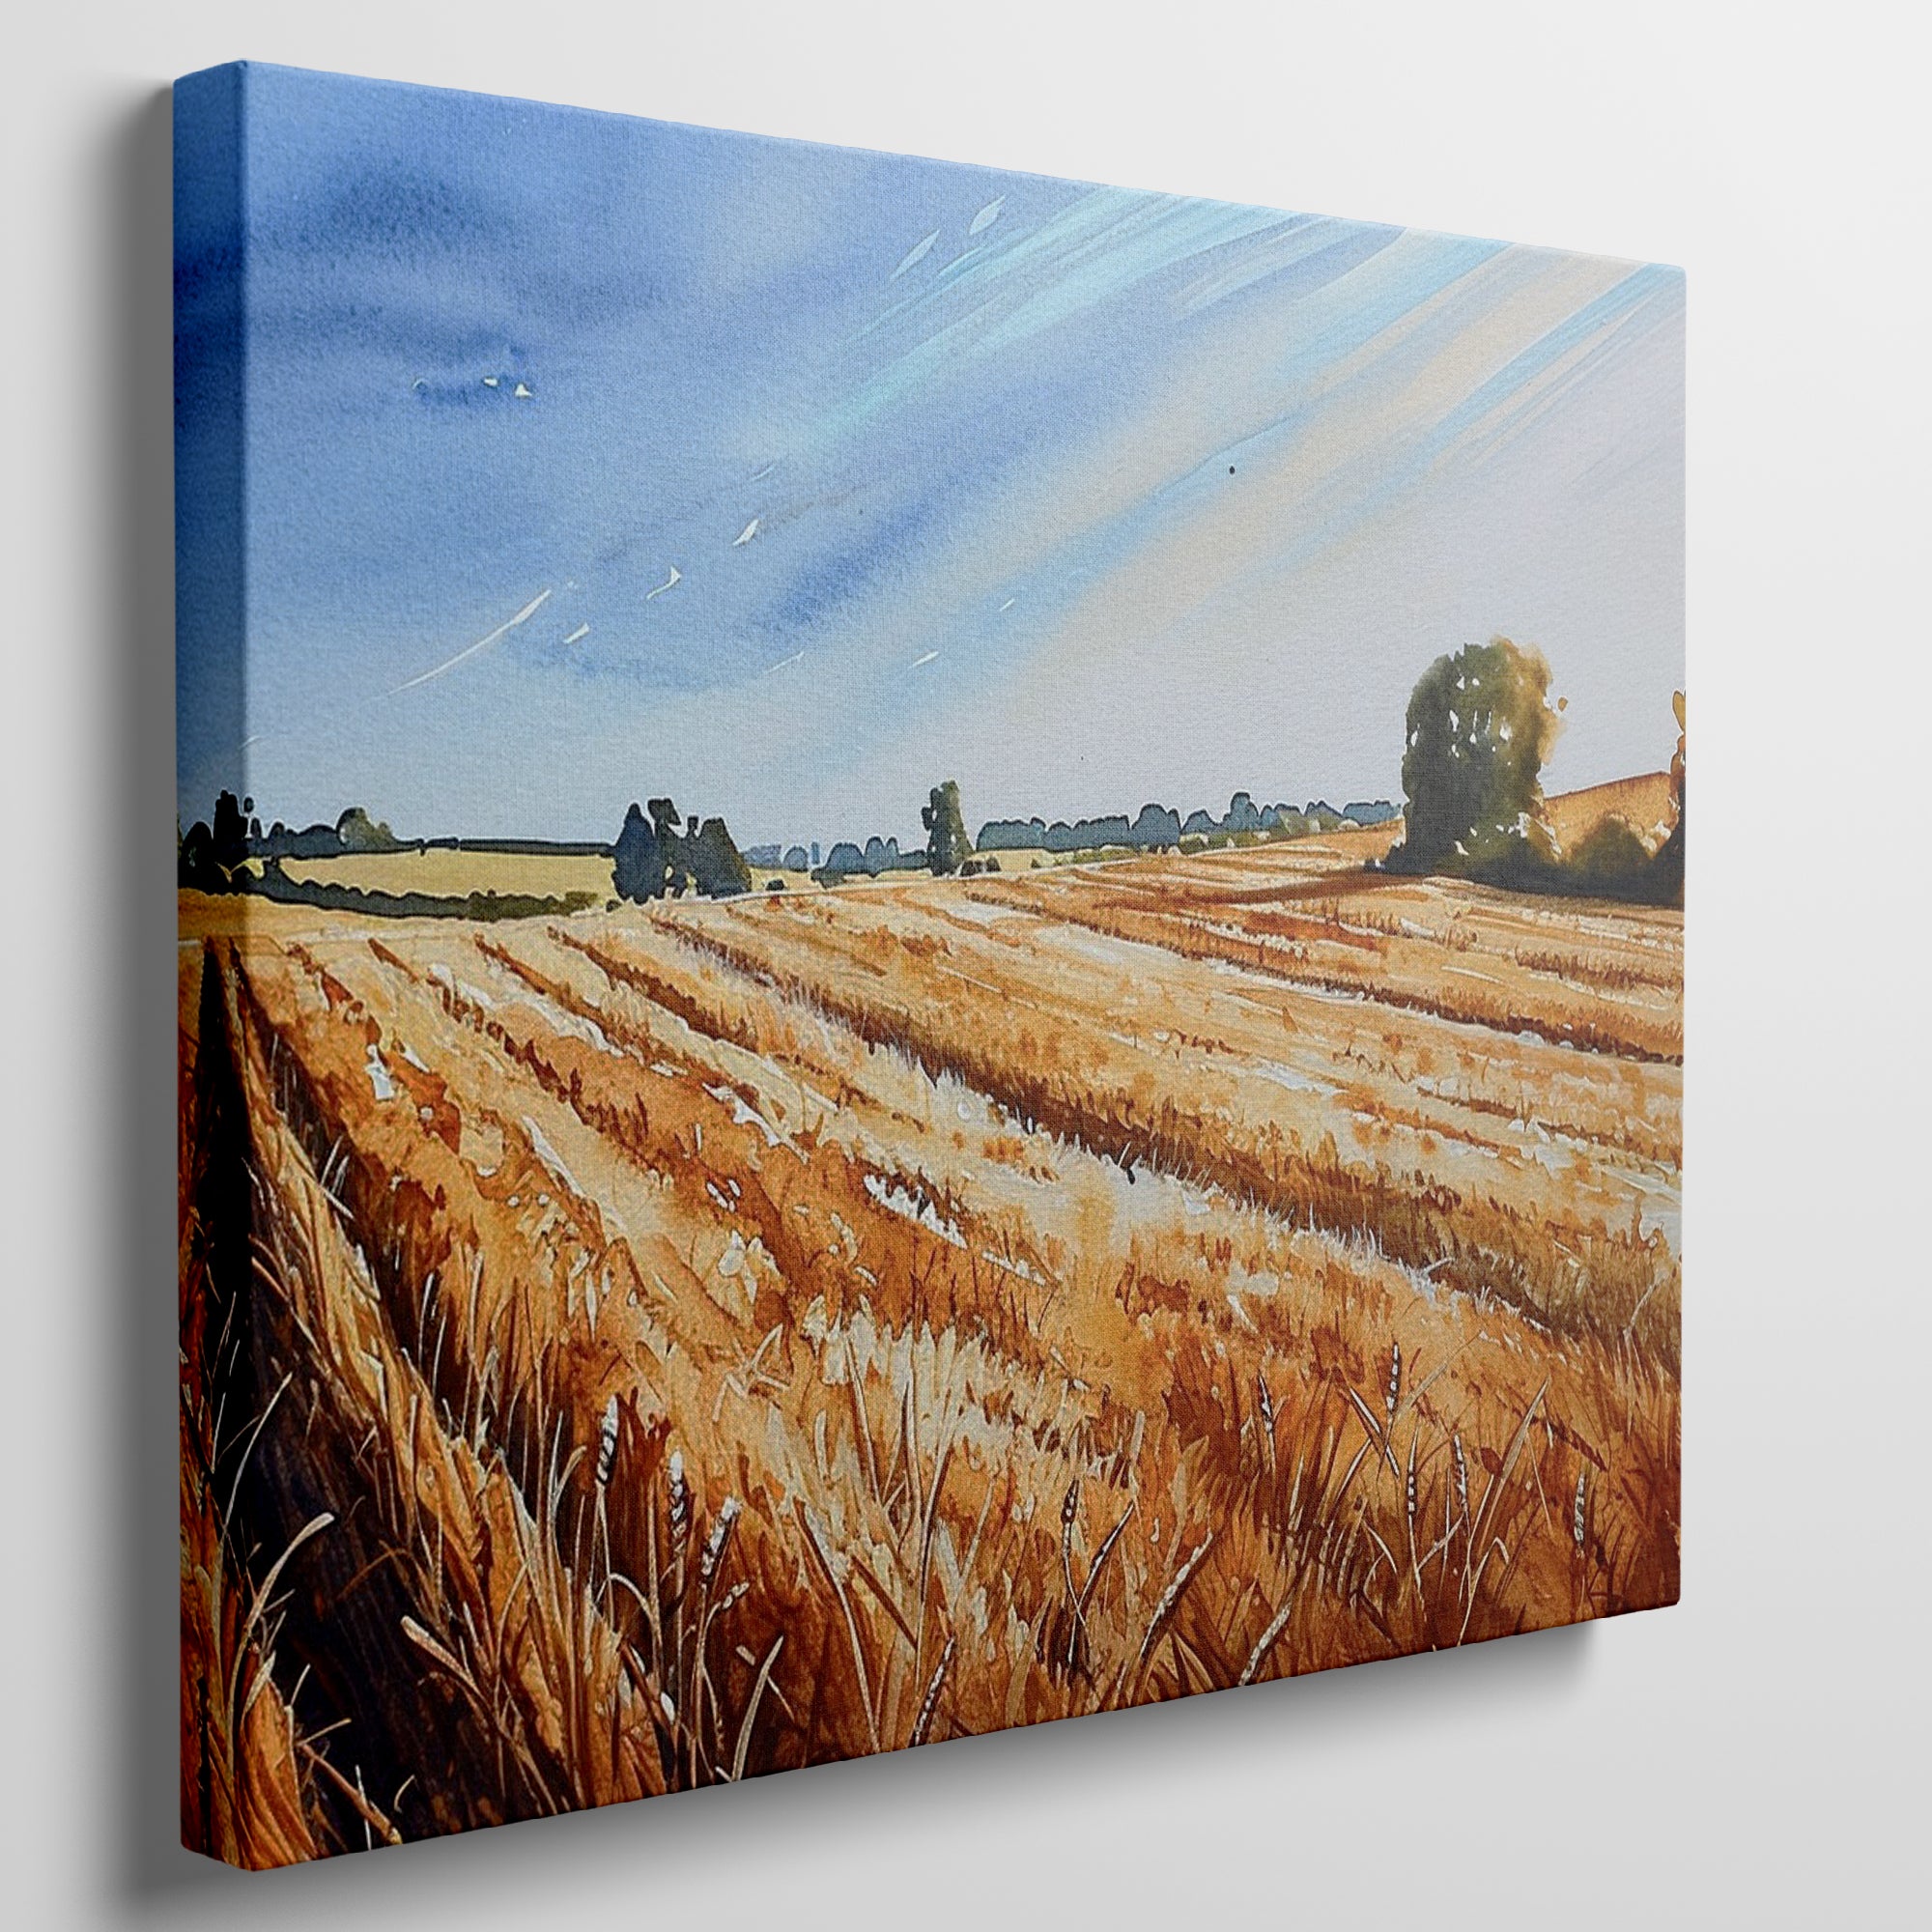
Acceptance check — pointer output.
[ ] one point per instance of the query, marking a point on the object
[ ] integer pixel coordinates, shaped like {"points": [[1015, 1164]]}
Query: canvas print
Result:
{"points": [[930, 951]]}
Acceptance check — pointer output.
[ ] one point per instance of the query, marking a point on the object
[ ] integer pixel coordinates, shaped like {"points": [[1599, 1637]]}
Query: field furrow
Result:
{"points": [[1458, 952], [1295, 1104]]}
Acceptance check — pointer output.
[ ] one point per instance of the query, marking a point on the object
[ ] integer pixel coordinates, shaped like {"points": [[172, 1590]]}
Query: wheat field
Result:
{"points": [[441, 871], [655, 1348]]}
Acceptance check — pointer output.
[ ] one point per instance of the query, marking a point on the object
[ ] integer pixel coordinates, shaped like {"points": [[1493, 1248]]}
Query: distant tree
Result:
{"points": [[797, 859], [1609, 858], [1242, 814], [845, 859], [716, 866], [665, 822], [357, 832], [1480, 726], [660, 855], [642, 867], [194, 861], [947, 845], [1667, 867], [231, 834], [1005, 835], [216, 860], [1157, 829]]}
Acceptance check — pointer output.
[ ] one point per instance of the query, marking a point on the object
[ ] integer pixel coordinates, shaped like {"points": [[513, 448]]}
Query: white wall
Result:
{"points": [[1755, 1756]]}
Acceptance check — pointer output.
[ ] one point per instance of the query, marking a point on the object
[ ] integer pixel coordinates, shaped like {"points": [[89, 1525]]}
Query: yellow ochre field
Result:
{"points": [[670, 1345], [443, 874]]}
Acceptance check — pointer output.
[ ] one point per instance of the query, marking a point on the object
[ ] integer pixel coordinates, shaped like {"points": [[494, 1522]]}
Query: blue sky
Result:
{"points": [[587, 459]]}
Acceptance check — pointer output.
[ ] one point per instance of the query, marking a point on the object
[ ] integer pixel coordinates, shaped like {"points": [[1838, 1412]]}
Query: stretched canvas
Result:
{"points": [[930, 962]]}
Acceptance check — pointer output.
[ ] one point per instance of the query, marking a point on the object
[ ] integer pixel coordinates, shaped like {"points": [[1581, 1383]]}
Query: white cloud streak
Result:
{"points": [[448, 664]]}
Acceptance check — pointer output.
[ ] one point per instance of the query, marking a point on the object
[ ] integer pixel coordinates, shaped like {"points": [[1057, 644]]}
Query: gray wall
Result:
{"points": [[1744, 1758]]}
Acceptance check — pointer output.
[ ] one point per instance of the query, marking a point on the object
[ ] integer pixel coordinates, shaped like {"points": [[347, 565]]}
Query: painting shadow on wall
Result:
{"points": [[128, 188]]}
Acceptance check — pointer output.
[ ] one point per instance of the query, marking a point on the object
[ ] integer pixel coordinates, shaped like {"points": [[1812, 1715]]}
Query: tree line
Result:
{"points": [[216, 857], [1160, 828], [947, 850], [1480, 726]]}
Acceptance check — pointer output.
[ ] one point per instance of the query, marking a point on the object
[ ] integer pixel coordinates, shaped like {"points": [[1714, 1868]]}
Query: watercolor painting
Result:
{"points": [[930, 951]]}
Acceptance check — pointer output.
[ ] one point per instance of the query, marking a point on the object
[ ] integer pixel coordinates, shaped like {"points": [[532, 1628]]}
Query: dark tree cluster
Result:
{"points": [[659, 855], [849, 859], [947, 850], [947, 846], [1480, 726], [215, 859], [354, 832]]}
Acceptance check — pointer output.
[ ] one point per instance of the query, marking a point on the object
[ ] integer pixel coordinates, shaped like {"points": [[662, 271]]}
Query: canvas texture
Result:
{"points": [[930, 951]]}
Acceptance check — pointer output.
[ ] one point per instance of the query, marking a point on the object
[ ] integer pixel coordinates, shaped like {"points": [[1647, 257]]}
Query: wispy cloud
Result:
{"points": [[915, 254], [1036, 279], [462, 656]]}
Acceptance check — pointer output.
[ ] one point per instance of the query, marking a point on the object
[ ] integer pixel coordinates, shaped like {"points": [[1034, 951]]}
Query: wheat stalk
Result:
{"points": [[715, 1543], [1265, 1403], [929, 1703], [1267, 1641], [1070, 1508], [607, 1445], [1165, 1608], [756, 1697], [680, 1505], [1100, 1556]]}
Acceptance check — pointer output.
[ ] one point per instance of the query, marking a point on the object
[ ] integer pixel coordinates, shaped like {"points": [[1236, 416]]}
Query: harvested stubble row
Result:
{"points": [[762, 1334]]}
